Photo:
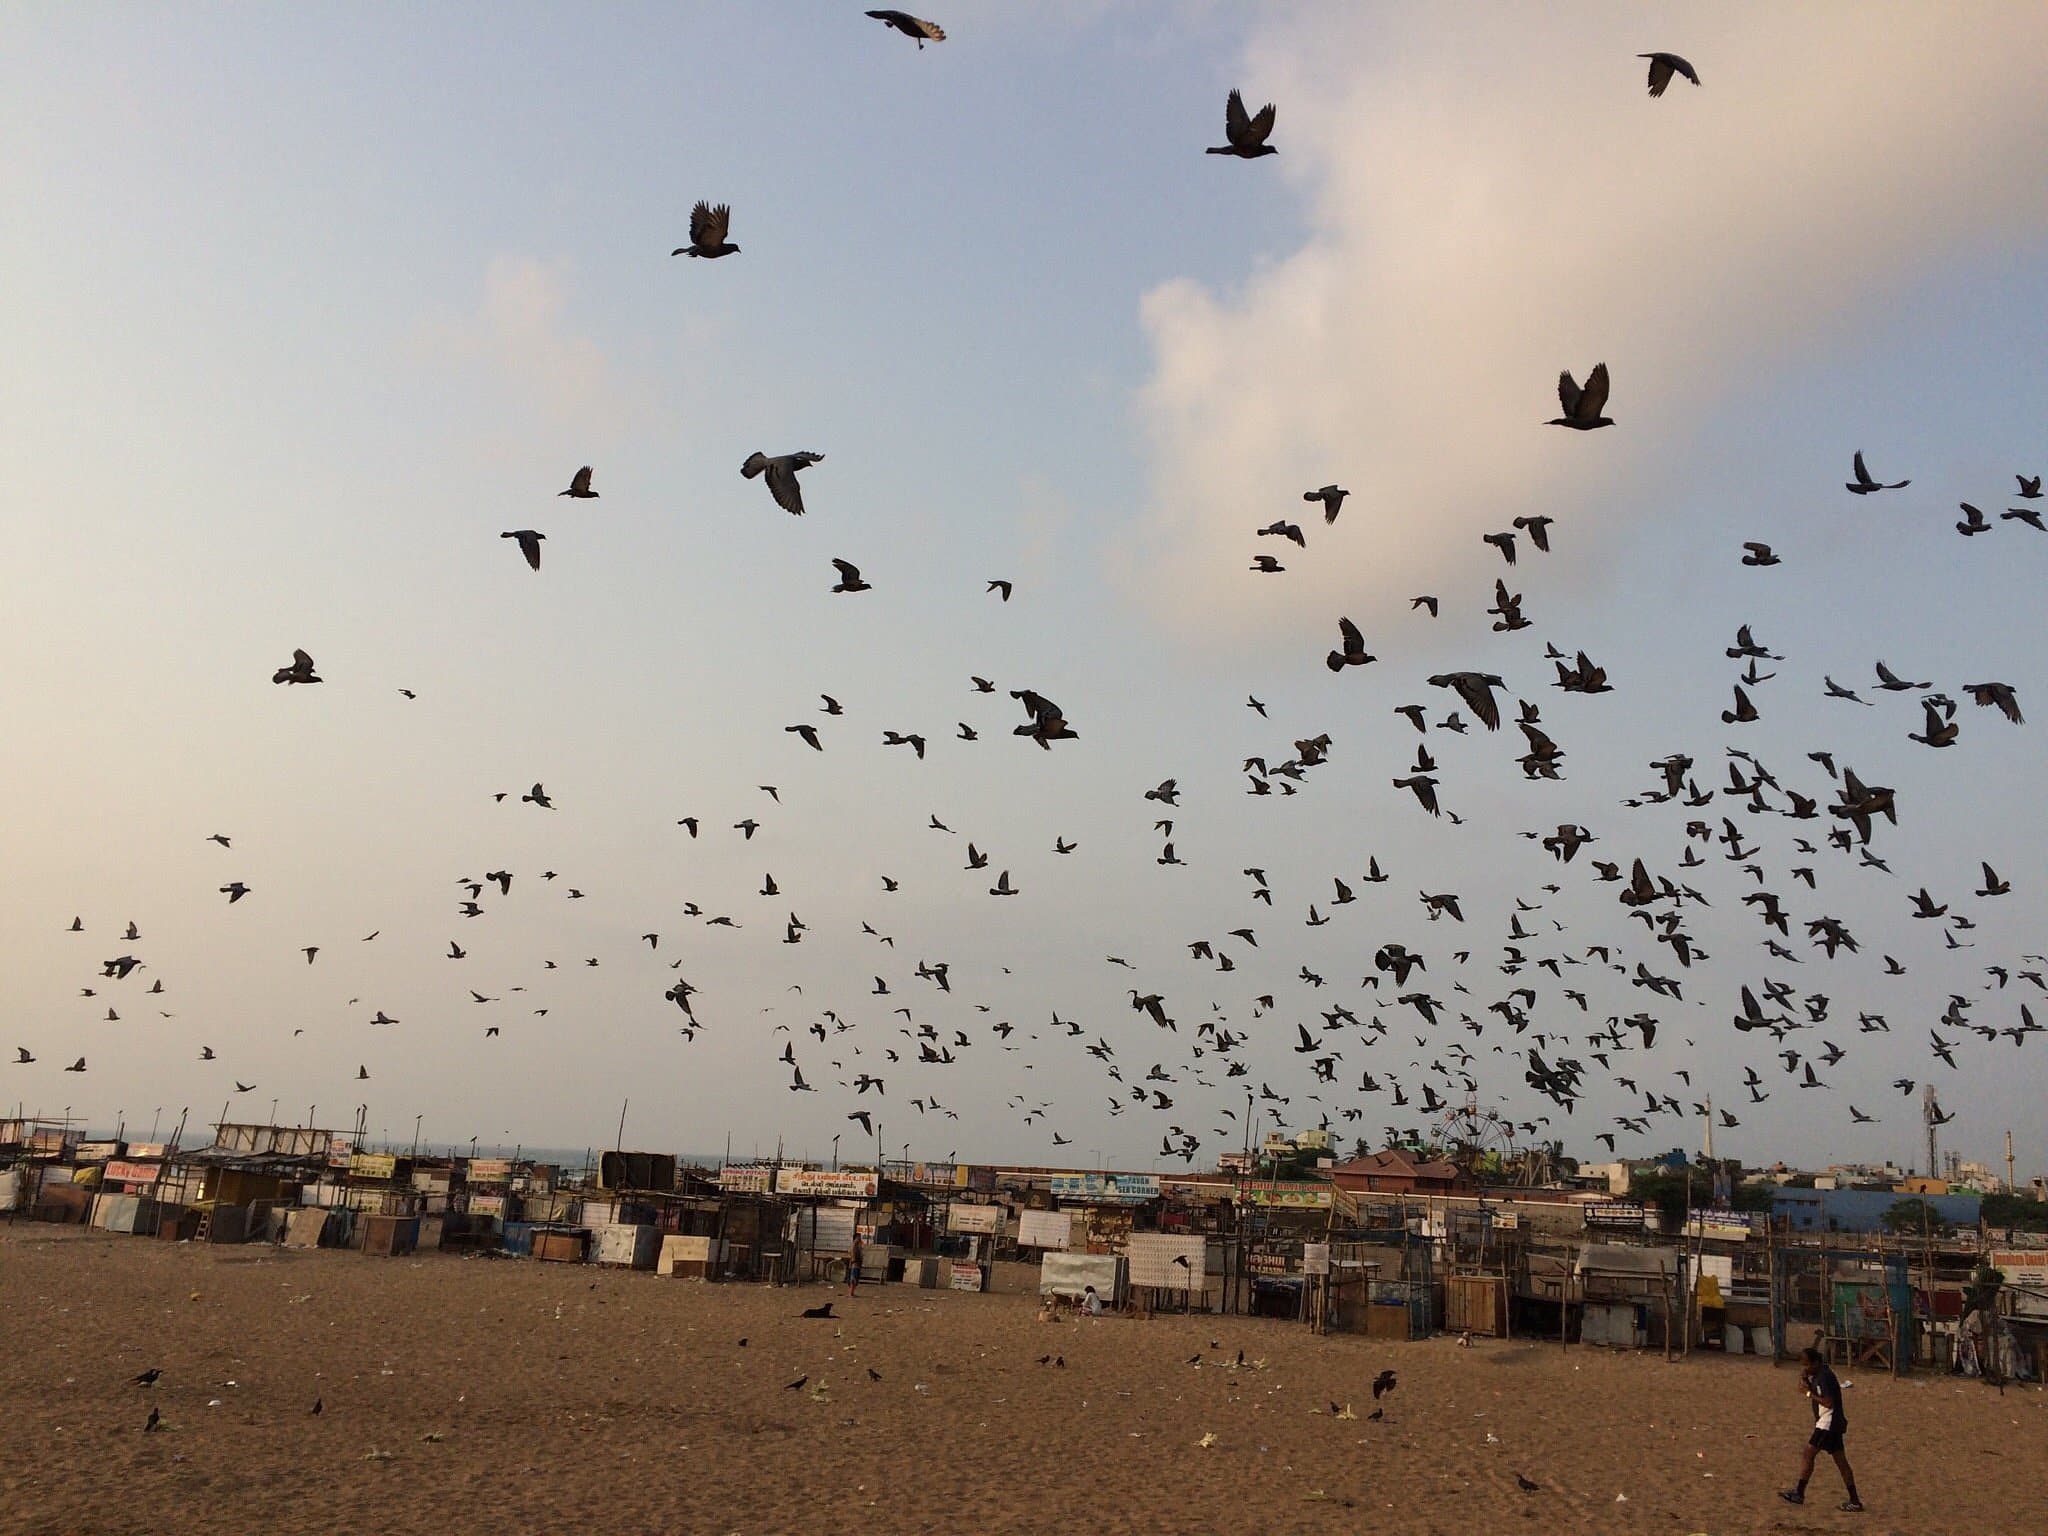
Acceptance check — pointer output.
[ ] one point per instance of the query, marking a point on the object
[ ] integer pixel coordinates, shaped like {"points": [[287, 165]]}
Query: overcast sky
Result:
{"points": [[306, 305]]}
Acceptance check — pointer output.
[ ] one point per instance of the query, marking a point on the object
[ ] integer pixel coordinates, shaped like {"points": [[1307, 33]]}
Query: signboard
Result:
{"points": [[851, 1184], [143, 1150], [372, 1165], [966, 1277], [2023, 1266], [1615, 1213], [1723, 1226], [1302, 1195], [130, 1172], [1262, 1264], [824, 1228], [490, 1170], [1168, 1260], [98, 1151], [743, 1179], [1045, 1229], [1315, 1258], [1507, 1221], [1106, 1188], [974, 1218]]}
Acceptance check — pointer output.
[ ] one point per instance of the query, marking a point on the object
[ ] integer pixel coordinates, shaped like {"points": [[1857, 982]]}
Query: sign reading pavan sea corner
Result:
{"points": [[849, 1184]]}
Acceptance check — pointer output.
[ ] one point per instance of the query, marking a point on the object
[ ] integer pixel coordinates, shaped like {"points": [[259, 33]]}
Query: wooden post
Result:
{"points": [[1664, 1276]]}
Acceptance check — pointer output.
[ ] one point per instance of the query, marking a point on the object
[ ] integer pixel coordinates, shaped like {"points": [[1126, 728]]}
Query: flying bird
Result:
{"points": [[300, 670], [911, 26], [529, 544], [708, 226], [781, 471], [1332, 498], [1863, 485], [579, 486], [1582, 407], [1663, 66], [1247, 134]]}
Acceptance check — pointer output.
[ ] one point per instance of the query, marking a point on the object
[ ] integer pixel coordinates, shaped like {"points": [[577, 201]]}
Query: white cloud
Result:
{"points": [[1492, 196], [520, 337]]}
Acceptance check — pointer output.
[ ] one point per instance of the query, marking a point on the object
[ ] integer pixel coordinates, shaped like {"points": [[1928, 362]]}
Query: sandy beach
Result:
{"points": [[464, 1392]]}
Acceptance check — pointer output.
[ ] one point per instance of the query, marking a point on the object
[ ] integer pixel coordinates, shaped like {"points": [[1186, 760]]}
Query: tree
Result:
{"points": [[2016, 1211], [1906, 1217]]}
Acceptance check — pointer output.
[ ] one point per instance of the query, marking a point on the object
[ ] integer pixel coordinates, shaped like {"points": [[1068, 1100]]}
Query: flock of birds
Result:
{"points": [[1524, 994]]}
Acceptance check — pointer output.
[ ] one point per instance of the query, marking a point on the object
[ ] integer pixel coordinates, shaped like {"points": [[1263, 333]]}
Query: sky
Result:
{"points": [[307, 305]]}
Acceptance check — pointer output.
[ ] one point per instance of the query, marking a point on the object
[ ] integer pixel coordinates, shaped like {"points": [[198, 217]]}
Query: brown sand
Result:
{"points": [[553, 1398]]}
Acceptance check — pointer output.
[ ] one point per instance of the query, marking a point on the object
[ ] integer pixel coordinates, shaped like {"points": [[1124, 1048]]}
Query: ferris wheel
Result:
{"points": [[1471, 1132]]}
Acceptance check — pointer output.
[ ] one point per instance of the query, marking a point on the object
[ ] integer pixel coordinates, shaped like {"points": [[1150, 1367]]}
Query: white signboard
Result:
{"points": [[824, 1229], [974, 1218], [1070, 1275], [1315, 1258], [1168, 1260], [1045, 1229], [848, 1185]]}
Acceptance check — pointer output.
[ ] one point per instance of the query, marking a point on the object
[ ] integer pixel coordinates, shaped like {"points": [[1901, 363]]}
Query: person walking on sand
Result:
{"points": [[1824, 1391], [853, 1268]]}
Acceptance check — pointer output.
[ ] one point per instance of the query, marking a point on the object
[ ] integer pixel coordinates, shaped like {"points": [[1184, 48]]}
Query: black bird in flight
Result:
{"points": [[579, 486], [1663, 66], [1247, 134], [529, 544], [1863, 485], [708, 227], [1582, 407]]}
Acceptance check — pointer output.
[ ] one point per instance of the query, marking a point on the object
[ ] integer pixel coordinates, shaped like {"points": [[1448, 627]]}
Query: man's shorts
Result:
{"points": [[1829, 1440]]}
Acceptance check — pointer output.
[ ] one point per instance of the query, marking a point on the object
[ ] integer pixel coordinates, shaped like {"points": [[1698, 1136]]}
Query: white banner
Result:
{"points": [[974, 1218], [1168, 1260], [1045, 1229]]}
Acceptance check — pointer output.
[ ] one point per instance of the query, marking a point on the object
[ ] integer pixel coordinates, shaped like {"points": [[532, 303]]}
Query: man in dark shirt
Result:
{"points": [[1824, 1391]]}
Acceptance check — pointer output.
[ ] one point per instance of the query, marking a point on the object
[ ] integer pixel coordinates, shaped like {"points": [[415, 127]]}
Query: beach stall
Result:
{"points": [[1629, 1296]]}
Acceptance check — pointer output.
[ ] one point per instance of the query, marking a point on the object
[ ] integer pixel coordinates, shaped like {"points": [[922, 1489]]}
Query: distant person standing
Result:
{"points": [[853, 1267], [1830, 1422]]}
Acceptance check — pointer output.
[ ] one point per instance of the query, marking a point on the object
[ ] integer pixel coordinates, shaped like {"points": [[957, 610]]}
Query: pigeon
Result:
{"points": [[911, 26], [579, 486], [1582, 407], [1332, 498], [782, 472], [708, 227], [849, 578], [300, 670], [529, 544], [1863, 485], [147, 1378], [1382, 1384], [1247, 134], [1353, 653], [1663, 66], [1759, 554]]}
